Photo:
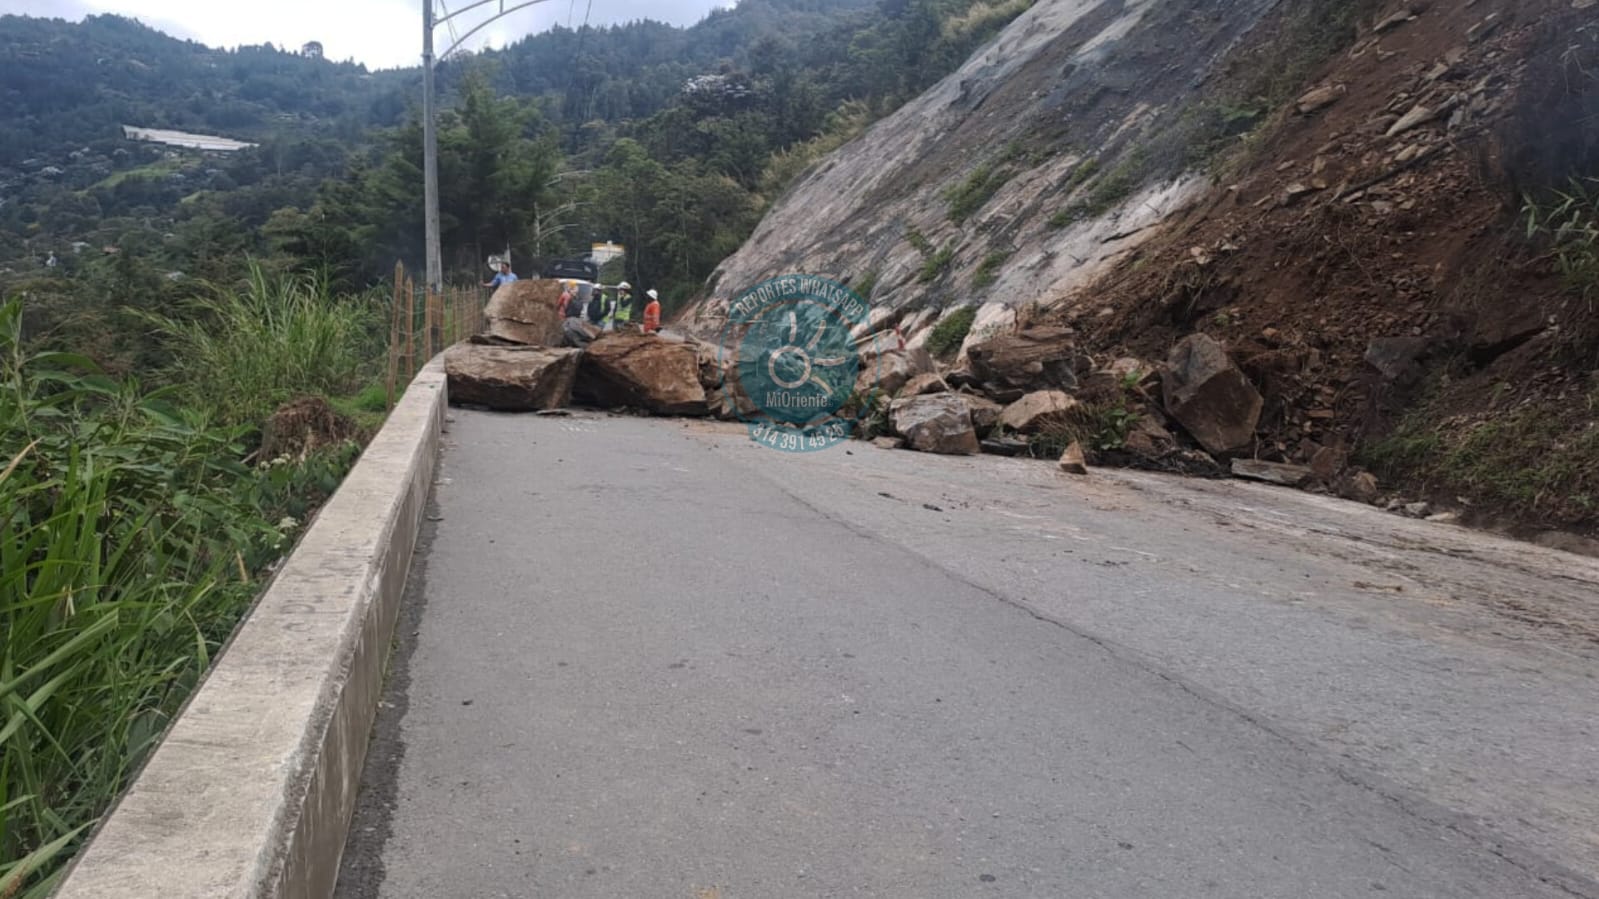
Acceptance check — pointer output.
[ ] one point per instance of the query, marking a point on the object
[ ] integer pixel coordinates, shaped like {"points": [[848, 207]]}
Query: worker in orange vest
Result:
{"points": [[652, 312]]}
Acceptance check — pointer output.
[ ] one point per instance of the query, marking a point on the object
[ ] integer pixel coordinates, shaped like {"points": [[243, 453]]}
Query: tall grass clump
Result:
{"points": [[131, 542], [243, 351]]}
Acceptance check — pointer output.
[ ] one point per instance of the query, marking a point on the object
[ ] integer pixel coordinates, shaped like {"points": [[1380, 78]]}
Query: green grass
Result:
{"points": [[933, 266], [1568, 220], [867, 284], [988, 270], [133, 538], [947, 335], [243, 351], [1540, 461], [152, 172], [1109, 190]]}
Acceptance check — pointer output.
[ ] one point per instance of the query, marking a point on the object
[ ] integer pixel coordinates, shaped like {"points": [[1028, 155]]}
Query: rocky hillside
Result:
{"points": [[1368, 208]]}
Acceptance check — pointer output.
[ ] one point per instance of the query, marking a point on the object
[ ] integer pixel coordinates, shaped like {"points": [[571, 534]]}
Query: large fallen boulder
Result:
{"points": [[1040, 358], [1209, 396], [525, 312], [510, 378], [985, 412], [1038, 411], [890, 370], [641, 371], [939, 423]]}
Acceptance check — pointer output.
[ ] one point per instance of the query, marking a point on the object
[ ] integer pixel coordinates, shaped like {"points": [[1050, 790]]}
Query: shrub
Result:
{"points": [[951, 330], [987, 272], [935, 265], [240, 353]]}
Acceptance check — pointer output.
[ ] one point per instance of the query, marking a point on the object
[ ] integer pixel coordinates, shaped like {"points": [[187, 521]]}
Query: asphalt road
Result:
{"points": [[646, 658]]}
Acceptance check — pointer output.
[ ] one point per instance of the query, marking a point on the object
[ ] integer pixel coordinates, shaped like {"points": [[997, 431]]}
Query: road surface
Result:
{"points": [[647, 658]]}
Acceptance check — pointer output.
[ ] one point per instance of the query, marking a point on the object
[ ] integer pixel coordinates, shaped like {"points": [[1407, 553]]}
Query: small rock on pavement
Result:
{"points": [[888, 442], [1444, 518], [1272, 472], [1418, 510], [1074, 460], [1362, 487]]}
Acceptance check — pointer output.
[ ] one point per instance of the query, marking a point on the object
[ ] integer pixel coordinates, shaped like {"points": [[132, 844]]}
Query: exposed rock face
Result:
{"points": [[524, 312], [935, 424], [510, 378], [642, 371], [1209, 396], [1035, 359], [1044, 74], [1038, 410]]}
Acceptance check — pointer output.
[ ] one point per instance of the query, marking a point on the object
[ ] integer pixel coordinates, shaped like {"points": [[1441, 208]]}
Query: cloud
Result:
{"points": [[380, 33]]}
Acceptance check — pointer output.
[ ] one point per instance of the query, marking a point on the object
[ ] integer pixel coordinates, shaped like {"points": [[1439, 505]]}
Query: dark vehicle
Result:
{"points": [[579, 269]]}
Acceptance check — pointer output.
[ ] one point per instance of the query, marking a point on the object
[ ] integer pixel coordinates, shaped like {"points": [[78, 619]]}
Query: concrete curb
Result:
{"points": [[251, 792]]}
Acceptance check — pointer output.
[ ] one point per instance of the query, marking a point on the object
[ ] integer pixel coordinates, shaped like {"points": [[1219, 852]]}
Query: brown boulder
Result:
{"points": [[510, 378], [1038, 410], [890, 370], [935, 424], [1149, 438], [927, 382], [642, 371], [985, 412], [1074, 460], [525, 312], [1209, 396], [1271, 472], [1035, 359]]}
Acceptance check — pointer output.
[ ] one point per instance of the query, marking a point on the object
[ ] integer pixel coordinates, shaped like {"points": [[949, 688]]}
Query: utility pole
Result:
{"points": [[430, 103], [430, 154]]}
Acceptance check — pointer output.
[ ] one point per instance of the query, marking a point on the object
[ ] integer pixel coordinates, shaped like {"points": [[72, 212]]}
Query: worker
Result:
{"points": [[506, 276], [622, 309], [652, 312], [568, 288], [596, 305]]}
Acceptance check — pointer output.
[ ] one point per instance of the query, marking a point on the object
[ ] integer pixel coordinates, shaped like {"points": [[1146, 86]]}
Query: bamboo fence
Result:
{"points": [[423, 323]]}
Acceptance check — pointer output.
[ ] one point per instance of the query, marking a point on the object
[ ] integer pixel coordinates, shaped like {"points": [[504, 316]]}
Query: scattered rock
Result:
{"points": [[1037, 411], [1037, 358], [927, 382], [889, 443], [1444, 518], [1149, 438], [935, 424], [1272, 472], [1209, 396], [1399, 18], [1006, 446], [1418, 510], [1395, 357], [1073, 460], [511, 378], [524, 312], [890, 370], [642, 371], [1320, 98], [575, 332], [1361, 486], [985, 412], [1482, 29], [1327, 462]]}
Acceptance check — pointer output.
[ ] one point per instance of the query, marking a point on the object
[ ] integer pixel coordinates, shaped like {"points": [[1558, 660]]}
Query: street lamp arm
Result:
{"points": [[504, 11]]}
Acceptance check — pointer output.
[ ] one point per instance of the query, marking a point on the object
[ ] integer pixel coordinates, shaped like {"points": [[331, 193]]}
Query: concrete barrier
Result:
{"points": [[251, 792]]}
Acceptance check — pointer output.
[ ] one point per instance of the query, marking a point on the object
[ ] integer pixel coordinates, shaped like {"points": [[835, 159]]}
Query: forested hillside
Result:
{"points": [[670, 140]]}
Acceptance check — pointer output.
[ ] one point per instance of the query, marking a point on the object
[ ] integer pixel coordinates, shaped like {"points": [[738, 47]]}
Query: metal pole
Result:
{"points": [[430, 153]]}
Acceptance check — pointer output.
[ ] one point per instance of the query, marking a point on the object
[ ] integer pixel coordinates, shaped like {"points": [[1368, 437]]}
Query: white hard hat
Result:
{"points": [[624, 286], [652, 294]]}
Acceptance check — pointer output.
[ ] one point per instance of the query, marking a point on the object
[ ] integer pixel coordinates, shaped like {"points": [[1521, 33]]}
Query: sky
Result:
{"points": [[380, 33]]}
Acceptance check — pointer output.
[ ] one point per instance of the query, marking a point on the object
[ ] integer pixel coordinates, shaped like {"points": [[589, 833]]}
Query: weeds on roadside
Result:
{"points": [[1569, 220], [242, 352]]}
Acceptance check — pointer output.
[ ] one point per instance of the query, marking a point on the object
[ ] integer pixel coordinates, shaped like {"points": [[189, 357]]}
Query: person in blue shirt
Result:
{"points": [[505, 276]]}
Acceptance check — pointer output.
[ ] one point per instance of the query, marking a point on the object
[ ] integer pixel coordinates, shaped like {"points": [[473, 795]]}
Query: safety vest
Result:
{"points": [[624, 308]]}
